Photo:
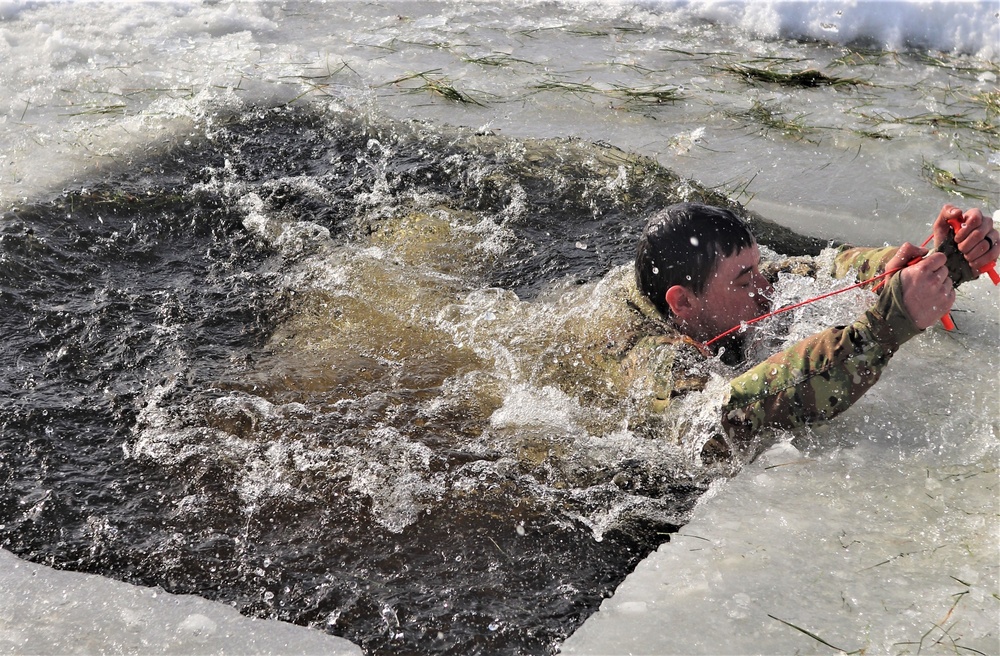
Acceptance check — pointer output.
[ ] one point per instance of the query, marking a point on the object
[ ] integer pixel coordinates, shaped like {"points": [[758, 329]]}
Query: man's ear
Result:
{"points": [[683, 303]]}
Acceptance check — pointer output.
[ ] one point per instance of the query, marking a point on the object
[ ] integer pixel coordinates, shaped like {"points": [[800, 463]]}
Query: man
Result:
{"points": [[700, 267]]}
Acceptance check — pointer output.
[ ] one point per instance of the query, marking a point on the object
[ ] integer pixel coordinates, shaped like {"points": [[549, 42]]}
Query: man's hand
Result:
{"points": [[976, 239], [927, 290], [904, 255]]}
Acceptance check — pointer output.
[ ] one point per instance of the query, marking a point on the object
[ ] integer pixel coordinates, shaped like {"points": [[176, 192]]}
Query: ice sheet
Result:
{"points": [[776, 555], [47, 611]]}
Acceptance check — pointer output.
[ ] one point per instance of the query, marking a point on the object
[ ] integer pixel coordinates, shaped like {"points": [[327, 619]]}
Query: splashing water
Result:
{"points": [[266, 344]]}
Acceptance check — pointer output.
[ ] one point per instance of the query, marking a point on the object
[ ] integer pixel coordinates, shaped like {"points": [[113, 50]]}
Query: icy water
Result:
{"points": [[308, 307]]}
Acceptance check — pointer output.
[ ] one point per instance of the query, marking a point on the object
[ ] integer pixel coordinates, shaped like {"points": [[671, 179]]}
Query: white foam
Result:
{"points": [[395, 473], [547, 408], [965, 27]]}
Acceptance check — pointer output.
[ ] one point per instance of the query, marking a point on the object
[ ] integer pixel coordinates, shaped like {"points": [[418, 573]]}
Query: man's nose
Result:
{"points": [[765, 291]]}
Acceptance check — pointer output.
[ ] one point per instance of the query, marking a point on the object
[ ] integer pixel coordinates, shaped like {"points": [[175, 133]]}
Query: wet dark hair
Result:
{"points": [[681, 245]]}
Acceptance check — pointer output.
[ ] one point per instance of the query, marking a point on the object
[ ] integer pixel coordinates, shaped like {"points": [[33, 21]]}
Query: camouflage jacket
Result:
{"points": [[815, 379], [822, 375]]}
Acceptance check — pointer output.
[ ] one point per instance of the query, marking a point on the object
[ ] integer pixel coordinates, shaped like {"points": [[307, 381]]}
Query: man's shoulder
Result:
{"points": [[800, 265], [669, 363], [668, 338]]}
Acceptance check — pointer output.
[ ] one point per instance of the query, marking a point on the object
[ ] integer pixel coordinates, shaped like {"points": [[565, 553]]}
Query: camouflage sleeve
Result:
{"points": [[820, 376], [865, 262], [870, 262], [667, 367]]}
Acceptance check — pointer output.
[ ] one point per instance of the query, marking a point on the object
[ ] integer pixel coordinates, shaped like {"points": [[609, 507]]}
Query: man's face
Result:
{"points": [[735, 292]]}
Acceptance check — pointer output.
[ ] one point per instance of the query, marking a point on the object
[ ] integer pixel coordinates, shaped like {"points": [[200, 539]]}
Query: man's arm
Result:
{"points": [[866, 263], [825, 374], [974, 245], [822, 375]]}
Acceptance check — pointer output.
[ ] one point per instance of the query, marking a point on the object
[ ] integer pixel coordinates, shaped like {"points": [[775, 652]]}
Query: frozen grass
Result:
{"points": [[699, 55], [872, 134], [955, 65], [437, 84], [951, 183], [988, 100], [637, 95], [975, 122], [497, 59], [96, 110], [961, 121], [770, 117], [939, 635], [815, 637], [935, 638], [737, 189], [862, 57], [806, 78], [618, 29]]}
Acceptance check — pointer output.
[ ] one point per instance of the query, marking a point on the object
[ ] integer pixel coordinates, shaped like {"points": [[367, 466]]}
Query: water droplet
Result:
{"points": [[582, 246], [656, 270], [694, 241]]}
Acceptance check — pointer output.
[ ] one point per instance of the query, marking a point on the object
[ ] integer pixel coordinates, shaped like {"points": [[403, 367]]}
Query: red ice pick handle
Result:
{"points": [[989, 269]]}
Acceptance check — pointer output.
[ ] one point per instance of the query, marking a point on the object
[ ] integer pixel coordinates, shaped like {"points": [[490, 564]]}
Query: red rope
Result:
{"points": [[877, 278], [880, 279]]}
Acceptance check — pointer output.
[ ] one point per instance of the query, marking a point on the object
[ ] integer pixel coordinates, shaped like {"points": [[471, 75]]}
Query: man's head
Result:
{"points": [[699, 265]]}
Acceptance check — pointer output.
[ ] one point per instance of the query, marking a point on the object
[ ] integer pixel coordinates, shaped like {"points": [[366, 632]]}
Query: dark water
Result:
{"points": [[145, 289]]}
